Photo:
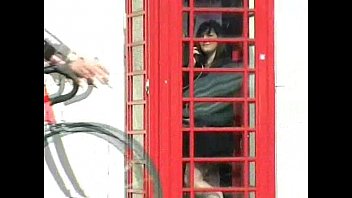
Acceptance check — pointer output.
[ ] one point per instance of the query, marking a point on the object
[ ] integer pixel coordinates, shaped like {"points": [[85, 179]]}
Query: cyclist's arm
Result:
{"points": [[56, 52]]}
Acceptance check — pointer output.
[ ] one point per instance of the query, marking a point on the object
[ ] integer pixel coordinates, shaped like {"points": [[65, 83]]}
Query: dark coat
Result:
{"points": [[214, 114]]}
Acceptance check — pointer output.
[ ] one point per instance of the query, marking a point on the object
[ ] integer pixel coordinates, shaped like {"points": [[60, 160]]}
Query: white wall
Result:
{"points": [[92, 28], [101, 24], [291, 57]]}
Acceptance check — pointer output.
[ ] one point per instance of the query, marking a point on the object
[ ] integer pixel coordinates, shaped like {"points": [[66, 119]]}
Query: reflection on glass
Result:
{"points": [[231, 23], [137, 28], [138, 117], [136, 195], [137, 57], [251, 194], [251, 115], [251, 27], [138, 142], [252, 174], [138, 82], [137, 5], [251, 4], [251, 144], [251, 83], [137, 176], [251, 56]]}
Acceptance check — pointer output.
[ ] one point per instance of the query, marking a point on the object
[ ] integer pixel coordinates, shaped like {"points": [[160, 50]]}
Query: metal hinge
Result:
{"points": [[147, 86]]}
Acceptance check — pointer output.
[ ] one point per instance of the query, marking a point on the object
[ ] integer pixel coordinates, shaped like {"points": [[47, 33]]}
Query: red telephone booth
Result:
{"points": [[200, 98]]}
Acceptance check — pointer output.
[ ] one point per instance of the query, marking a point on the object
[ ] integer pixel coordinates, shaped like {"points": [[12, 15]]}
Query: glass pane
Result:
{"points": [[211, 84], [219, 144], [185, 55], [185, 143], [251, 194], [186, 114], [186, 174], [137, 28], [215, 174], [185, 24], [251, 83], [218, 3], [224, 24], [135, 195], [251, 56], [208, 3], [238, 114], [251, 26], [186, 195], [227, 55], [238, 144], [139, 141], [234, 195], [217, 114], [138, 57], [138, 117], [251, 115], [137, 5], [137, 176], [138, 84], [252, 174], [251, 144], [251, 4]]}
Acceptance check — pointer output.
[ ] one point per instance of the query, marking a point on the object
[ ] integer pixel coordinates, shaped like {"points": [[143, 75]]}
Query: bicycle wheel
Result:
{"points": [[114, 137]]}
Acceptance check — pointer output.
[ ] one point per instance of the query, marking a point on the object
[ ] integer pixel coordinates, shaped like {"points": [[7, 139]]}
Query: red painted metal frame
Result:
{"points": [[49, 117], [163, 55], [265, 137], [129, 102], [165, 62]]}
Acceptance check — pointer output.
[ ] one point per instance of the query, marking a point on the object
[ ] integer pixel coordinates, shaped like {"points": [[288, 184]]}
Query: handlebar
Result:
{"points": [[76, 98], [67, 74], [80, 97], [61, 87]]}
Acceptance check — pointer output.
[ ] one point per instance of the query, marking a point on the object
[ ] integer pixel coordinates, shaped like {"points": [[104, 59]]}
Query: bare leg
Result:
{"points": [[204, 177]]}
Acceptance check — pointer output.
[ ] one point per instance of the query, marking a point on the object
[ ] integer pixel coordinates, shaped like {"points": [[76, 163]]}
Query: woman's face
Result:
{"points": [[209, 47]]}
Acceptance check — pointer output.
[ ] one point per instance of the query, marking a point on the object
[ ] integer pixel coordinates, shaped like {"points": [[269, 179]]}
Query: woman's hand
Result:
{"points": [[195, 53]]}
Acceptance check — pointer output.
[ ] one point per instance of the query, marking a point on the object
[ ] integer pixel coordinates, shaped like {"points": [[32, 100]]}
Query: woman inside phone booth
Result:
{"points": [[211, 54]]}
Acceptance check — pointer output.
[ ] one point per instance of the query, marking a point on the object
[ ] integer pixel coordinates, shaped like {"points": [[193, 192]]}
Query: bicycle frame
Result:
{"points": [[110, 134], [49, 121]]}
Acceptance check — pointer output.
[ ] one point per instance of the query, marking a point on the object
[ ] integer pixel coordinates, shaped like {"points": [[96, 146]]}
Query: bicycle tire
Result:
{"points": [[113, 136]]}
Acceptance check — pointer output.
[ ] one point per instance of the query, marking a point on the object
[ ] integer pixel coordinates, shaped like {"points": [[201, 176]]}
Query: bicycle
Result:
{"points": [[53, 132]]}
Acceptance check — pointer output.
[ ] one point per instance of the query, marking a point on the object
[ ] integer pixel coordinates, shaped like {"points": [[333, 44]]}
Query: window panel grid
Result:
{"points": [[245, 99]]}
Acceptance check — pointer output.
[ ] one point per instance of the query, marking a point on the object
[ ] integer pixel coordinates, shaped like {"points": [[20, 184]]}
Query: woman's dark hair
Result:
{"points": [[205, 28]]}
